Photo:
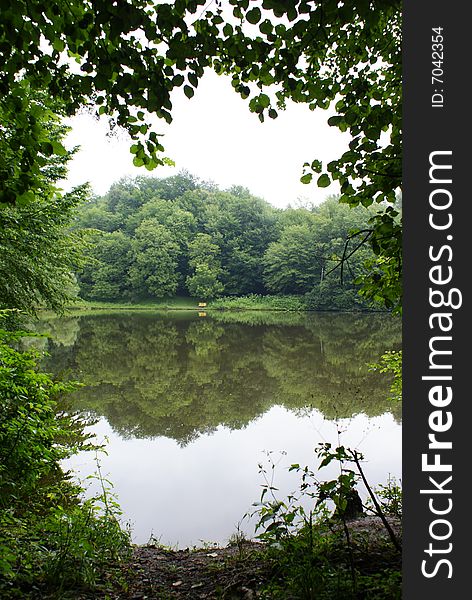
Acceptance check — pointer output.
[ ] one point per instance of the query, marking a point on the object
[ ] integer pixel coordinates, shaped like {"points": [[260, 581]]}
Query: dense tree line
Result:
{"points": [[154, 238]]}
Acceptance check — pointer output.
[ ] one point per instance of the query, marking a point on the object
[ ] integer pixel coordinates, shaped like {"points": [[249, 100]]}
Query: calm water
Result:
{"points": [[189, 406]]}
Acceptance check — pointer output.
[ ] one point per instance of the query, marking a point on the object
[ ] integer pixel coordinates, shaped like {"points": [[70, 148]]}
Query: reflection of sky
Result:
{"points": [[186, 495]]}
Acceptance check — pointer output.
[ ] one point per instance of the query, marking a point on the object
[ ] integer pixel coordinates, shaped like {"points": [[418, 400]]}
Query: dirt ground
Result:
{"points": [[237, 572], [154, 573]]}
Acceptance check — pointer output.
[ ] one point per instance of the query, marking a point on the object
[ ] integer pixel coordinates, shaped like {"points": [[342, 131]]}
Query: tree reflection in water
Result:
{"points": [[178, 375]]}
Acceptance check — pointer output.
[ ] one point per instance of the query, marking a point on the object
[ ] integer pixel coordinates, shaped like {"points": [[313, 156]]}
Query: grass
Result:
{"points": [[177, 303], [251, 302]]}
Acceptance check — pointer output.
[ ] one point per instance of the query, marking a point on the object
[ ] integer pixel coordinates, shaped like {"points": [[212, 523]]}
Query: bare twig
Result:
{"points": [[393, 537]]}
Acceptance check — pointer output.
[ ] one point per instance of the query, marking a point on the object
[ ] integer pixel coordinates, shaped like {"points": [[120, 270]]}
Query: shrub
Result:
{"points": [[330, 294], [49, 537], [259, 302], [312, 552], [391, 362]]}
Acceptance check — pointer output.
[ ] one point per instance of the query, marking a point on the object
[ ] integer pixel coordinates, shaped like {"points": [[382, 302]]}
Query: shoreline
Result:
{"points": [[243, 569], [207, 309]]}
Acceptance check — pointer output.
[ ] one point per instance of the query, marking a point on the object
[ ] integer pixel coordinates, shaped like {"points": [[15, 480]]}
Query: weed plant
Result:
{"points": [[259, 302], [312, 552], [51, 540]]}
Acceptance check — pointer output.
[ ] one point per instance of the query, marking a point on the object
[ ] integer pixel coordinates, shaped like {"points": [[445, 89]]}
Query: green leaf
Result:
{"points": [[58, 148], [323, 181], [266, 27], [254, 15], [193, 79], [46, 148], [178, 80], [58, 45], [25, 198], [306, 178], [335, 121], [264, 100], [188, 91]]}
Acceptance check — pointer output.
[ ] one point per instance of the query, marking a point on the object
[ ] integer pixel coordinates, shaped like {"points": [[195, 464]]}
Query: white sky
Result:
{"points": [[215, 137]]}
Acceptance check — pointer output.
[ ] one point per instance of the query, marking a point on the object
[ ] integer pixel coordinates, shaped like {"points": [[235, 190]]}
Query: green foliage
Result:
{"points": [[178, 235], [290, 264], [313, 554], [244, 227], [329, 295], [154, 271], [28, 427], [219, 236], [183, 303], [259, 302], [63, 548], [49, 538], [38, 253], [32, 156], [382, 280], [390, 497], [204, 282], [206, 268], [106, 270], [391, 362]]}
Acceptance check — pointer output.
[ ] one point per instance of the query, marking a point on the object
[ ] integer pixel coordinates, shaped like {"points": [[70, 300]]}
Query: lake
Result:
{"points": [[189, 405]]}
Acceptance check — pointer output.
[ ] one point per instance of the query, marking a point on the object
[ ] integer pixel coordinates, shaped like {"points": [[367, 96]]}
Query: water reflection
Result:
{"points": [[184, 495], [181, 376], [189, 404]]}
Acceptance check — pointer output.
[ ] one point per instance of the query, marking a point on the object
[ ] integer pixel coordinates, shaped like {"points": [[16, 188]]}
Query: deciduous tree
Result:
{"points": [[154, 269], [38, 252], [206, 269]]}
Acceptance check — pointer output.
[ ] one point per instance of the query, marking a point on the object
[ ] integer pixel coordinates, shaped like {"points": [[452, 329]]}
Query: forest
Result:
{"points": [[150, 238]]}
